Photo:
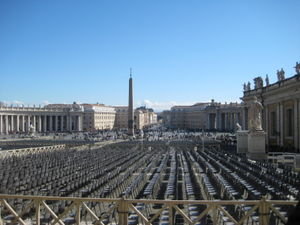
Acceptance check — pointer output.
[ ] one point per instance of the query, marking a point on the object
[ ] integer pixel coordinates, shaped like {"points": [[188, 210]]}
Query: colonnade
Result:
{"points": [[225, 121], [26, 123], [284, 128]]}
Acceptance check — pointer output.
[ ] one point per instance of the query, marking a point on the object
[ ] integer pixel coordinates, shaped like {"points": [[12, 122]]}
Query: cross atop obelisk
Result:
{"points": [[130, 107]]}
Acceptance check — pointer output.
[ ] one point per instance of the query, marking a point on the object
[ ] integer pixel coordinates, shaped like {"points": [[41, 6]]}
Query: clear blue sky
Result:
{"points": [[181, 51]]}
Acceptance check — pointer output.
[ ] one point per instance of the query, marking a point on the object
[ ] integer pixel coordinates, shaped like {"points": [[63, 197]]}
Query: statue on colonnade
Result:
{"points": [[297, 68], [280, 75]]}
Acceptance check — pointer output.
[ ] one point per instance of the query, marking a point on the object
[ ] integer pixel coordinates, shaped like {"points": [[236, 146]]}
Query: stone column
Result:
{"points": [[56, 123], [28, 123], [239, 118], [37, 123], [244, 119], [40, 123], [227, 118], [281, 124], [23, 123], [278, 123], [18, 123], [221, 122], [267, 124], [226, 121], [70, 123], [51, 123], [12, 129], [22, 126], [208, 121], [76, 124], [235, 120], [235, 117], [34, 123], [62, 123], [215, 121], [232, 121], [79, 123], [296, 124], [45, 124], [218, 120], [0, 124], [6, 124]]}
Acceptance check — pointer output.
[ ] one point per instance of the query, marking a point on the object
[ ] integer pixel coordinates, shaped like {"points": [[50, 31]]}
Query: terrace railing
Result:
{"points": [[25, 210]]}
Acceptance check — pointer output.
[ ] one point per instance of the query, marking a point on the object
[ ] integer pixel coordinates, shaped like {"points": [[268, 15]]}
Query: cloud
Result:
{"points": [[160, 106], [46, 102], [14, 103], [26, 104]]}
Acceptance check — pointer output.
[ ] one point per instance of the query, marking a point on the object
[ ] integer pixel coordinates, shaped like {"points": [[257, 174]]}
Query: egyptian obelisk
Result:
{"points": [[130, 108]]}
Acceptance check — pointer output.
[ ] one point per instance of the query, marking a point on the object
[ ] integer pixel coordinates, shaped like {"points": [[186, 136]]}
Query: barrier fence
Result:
{"points": [[24, 151], [25, 210]]}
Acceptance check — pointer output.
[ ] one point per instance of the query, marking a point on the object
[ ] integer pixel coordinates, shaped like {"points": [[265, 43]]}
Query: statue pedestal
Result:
{"points": [[257, 145], [242, 141]]}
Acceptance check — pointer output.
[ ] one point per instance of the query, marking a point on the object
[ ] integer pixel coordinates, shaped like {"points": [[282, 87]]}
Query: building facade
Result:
{"points": [[98, 117], [71, 118], [166, 116], [188, 117], [143, 117], [121, 119], [51, 118], [224, 117], [281, 110], [208, 116]]}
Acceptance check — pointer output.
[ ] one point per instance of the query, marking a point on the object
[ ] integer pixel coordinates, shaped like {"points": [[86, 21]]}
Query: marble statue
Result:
{"points": [[255, 115], [267, 80], [248, 86], [280, 75], [238, 127], [31, 129], [255, 83], [258, 82], [297, 68]]}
